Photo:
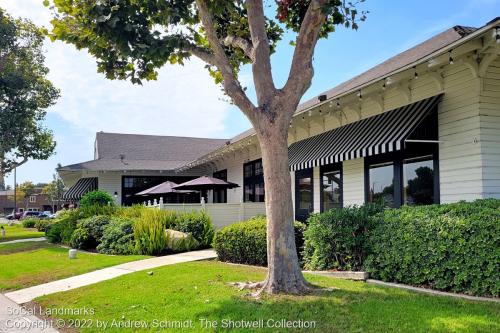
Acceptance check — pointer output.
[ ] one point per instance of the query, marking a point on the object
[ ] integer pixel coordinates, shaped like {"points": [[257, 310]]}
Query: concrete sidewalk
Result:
{"points": [[28, 294], [38, 239], [14, 318]]}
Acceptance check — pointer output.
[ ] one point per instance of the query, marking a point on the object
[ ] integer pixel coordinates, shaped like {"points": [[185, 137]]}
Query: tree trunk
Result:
{"points": [[284, 272], [2, 181]]}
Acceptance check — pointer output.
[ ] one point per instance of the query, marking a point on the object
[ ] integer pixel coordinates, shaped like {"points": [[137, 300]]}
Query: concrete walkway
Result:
{"points": [[14, 318], [38, 239], [28, 294]]}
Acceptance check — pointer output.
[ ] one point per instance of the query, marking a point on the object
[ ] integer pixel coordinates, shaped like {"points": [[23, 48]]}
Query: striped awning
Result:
{"points": [[379, 134], [82, 186]]}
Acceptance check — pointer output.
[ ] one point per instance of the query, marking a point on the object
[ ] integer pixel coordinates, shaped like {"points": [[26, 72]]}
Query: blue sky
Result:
{"points": [[185, 101]]}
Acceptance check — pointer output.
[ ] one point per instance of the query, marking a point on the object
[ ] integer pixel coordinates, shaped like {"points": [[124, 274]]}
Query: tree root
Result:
{"points": [[263, 287]]}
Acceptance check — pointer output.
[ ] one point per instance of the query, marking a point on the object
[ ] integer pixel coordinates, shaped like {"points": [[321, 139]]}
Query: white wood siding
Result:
{"points": [[353, 179], [222, 214], [490, 130], [111, 182], [316, 190]]}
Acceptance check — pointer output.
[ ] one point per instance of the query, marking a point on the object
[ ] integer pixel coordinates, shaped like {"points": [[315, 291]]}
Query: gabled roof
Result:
{"points": [[116, 152]]}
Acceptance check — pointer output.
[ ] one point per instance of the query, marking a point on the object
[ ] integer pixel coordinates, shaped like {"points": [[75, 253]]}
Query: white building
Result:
{"points": [[422, 127]]}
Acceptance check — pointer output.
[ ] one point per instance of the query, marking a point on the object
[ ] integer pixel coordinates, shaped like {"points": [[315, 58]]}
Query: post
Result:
{"points": [[161, 203], [15, 193]]}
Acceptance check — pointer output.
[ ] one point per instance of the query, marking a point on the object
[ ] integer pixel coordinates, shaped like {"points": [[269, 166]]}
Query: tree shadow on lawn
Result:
{"points": [[371, 309]]}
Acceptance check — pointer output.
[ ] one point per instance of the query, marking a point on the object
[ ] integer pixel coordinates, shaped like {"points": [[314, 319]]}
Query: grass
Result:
{"points": [[192, 291], [31, 263], [18, 232]]}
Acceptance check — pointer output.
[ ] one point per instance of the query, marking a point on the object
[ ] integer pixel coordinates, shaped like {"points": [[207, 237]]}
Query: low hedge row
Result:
{"points": [[245, 242], [453, 247]]}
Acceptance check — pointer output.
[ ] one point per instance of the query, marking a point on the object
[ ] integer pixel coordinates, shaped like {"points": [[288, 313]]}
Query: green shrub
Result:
{"points": [[94, 229], [245, 242], [452, 247], [149, 231], [118, 237], [62, 229], [337, 239], [80, 239], [43, 224], [96, 198], [29, 223], [197, 224]]}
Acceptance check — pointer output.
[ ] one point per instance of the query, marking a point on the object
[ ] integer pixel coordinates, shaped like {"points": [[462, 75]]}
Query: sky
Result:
{"points": [[185, 101]]}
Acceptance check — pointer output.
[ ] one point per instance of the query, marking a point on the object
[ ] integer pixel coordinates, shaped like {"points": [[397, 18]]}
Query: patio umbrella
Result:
{"points": [[205, 183], [165, 187]]}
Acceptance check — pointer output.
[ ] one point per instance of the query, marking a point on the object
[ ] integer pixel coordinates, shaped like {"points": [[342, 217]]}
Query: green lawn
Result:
{"points": [[18, 232], [197, 290], [31, 263]]}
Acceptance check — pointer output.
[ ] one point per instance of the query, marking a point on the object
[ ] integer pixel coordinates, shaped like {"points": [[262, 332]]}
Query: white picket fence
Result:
{"points": [[222, 214]]}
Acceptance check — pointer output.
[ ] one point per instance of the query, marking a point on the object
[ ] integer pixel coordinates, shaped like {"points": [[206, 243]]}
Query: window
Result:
{"points": [[220, 196], [403, 178], [253, 182], [381, 186], [418, 181], [331, 187], [32, 198]]}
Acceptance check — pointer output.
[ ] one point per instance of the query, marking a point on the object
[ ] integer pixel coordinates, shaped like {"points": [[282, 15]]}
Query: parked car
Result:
{"points": [[14, 216], [30, 215], [46, 215]]}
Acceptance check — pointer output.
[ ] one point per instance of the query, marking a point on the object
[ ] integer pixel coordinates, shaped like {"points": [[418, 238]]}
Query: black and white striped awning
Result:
{"points": [[82, 186], [382, 133]]}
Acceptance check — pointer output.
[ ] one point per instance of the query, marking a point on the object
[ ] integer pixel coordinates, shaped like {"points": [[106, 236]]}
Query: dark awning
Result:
{"points": [[382, 133], [82, 186]]}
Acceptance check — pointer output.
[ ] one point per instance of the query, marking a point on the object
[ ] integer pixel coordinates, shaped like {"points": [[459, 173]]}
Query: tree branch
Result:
{"points": [[240, 43], [261, 67], [301, 71], [230, 83], [201, 53]]}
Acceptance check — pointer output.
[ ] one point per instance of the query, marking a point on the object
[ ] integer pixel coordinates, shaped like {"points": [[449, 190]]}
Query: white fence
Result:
{"points": [[222, 214]]}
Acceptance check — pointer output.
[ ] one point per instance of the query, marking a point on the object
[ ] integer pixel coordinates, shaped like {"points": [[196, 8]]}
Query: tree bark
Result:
{"points": [[284, 272], [2, 181]]}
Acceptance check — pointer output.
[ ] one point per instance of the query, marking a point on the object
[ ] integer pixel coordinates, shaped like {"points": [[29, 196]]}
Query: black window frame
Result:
{"points": [[329, 168], [220, 174], [253, 179], [414, 150]]}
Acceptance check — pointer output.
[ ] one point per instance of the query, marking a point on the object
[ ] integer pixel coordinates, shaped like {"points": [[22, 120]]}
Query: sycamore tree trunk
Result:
{"points": [[284, 272]]}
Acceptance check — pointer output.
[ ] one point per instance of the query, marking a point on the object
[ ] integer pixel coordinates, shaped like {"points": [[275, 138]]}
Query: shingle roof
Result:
{"points": [[383, 69], [145, 152]]}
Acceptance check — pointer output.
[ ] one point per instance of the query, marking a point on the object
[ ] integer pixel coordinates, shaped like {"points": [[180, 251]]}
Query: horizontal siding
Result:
{"points": [[459, 134], [111, 182], [490, 130], [353, 182]]}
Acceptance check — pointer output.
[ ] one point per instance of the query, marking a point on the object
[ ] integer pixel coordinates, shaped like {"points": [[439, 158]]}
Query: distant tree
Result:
{"points": [[421, 188], [131, 39], [54, 190], [25, 94], [23, 191]]}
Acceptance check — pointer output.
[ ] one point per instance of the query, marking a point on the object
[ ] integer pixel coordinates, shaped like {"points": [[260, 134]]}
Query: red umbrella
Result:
{"points": [[205, 183], [165, 187]]}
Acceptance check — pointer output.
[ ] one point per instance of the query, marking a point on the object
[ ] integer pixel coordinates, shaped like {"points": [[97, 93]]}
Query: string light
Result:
{"points": [[360, 97], [450, 59]]}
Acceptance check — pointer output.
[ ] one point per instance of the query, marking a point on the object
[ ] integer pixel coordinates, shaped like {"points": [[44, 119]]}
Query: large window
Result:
{"points": [[403, 178], [220, 196], [253, 182], [381, 185], [418, 181], [131, 185], [331, 187]]}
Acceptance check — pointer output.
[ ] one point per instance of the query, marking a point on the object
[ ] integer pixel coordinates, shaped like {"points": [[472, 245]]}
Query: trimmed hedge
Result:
{"points": [[453, 247], [62, 230], [337, 239], [246, 243], [89, 232], [29, 222], [197, 224], [118, 237]]}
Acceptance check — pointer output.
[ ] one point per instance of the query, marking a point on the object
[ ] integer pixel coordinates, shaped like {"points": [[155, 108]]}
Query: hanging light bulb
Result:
{"points": [[338, 102], [383, 85], [360, 97], [450, 59], [416, 74]]}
